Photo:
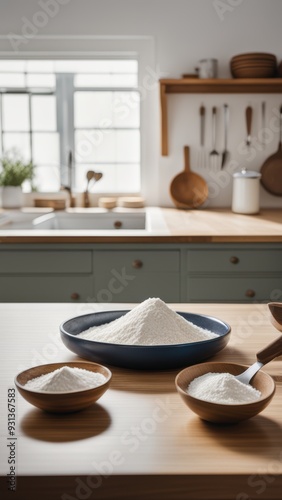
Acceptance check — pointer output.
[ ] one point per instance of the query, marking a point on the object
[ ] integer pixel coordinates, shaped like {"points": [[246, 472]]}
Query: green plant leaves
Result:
{"points": [[14, 170]]}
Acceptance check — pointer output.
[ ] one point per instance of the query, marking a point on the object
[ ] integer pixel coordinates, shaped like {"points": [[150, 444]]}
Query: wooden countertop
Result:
{"points": [[140, 440], [224, 226], [183, 226]]}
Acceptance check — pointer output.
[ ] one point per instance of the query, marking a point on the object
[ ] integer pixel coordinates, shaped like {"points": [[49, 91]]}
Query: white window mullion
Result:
{"points": [[30, 127], [65, 121], [1, 122]]}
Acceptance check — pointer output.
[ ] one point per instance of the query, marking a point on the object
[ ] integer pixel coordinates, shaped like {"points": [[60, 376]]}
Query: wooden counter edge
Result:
{"points": [[151, 487], [141, 239]]}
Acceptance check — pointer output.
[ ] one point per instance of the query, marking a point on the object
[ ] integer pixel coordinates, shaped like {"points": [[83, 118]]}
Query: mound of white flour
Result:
{"points": [[150, 323], [222, 388], [66, 379]]}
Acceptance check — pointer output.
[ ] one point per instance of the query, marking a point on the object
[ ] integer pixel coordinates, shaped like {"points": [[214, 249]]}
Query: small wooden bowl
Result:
{"points": [[220, 413], [62, 402], [107, 202], [131, 202], [57, 204]]}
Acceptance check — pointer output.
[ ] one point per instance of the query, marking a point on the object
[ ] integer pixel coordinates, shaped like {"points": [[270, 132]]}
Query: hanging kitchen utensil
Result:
{"points": [[187, 189], [225, 154], [249, 118], [202, 153], [214, 154], [263, 107], [271, 170]]}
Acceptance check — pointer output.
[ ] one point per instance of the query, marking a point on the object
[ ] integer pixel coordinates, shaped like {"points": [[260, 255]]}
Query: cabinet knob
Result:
{"points": [[118, 224], [250, 293], [234, 260], [75, 296], [137, 264]]}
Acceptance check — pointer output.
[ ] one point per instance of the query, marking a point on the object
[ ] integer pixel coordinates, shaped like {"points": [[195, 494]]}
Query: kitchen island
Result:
{"points": [[140, 440]]}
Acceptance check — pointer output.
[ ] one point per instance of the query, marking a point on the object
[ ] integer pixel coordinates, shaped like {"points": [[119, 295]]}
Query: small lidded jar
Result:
{"points": [[246, 188]]}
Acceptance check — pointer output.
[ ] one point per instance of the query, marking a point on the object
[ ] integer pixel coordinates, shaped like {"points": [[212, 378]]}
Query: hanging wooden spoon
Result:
{"points": [[271, 171], [187, 189]]}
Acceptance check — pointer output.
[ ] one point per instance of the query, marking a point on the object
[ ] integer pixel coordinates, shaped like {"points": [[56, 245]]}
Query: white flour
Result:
{"points": [[66, 379], [222, 388], [150, 323]]}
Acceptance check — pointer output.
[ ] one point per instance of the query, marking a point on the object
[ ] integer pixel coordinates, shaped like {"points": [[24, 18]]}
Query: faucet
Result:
{"points": [[69, 187]]}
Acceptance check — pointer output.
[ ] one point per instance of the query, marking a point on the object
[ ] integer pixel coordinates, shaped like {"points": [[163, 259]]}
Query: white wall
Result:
{"points": [[184, 31]]}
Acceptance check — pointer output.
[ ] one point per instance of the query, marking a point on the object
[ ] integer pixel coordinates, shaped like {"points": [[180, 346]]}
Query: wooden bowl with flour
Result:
{"points": [[224, 413], [62, 402]]}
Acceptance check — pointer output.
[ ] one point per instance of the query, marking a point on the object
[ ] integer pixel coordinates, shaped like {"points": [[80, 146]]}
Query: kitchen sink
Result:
{"points": [[91, 221], [149, 219]]}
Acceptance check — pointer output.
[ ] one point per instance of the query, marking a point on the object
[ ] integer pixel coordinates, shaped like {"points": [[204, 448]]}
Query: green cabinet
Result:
{"points": [[125, 272], [46, 288], [45, 274], [134, 275], [45, 261], [233, 259], [233, 273]]}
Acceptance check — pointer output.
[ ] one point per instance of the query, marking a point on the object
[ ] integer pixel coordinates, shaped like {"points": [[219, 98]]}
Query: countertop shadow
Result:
{"points": [[60, 428], [252, 437], [143, 381]]}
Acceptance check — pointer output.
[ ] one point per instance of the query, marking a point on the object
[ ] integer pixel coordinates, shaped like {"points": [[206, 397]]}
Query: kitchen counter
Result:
{"points": [[192, 226], [140, 440]]}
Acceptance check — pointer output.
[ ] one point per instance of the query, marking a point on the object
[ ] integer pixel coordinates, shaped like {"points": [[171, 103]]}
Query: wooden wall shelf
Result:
{"points": [[214, 86]]}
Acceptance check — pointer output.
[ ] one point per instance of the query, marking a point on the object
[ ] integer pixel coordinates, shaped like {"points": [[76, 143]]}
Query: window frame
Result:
{"points": [[85, 47]]}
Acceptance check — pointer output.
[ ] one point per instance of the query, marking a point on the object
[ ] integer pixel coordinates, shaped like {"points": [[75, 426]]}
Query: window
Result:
{"points": [[90, 107]]}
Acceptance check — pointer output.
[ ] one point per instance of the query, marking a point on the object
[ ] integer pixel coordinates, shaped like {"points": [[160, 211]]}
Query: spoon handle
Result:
{"points": [[271, 351], [186, 159], [249, 117]]}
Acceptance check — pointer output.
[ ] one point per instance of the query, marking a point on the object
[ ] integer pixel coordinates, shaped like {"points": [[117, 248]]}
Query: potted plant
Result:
{"points": [[13, 172]]}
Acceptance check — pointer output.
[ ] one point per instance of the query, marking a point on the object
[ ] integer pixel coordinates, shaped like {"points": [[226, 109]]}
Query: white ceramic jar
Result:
{"points": [[246, 190], [12, 196]]}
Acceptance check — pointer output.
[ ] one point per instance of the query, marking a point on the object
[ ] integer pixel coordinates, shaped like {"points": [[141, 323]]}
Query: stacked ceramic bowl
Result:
{"points": [[254, 65]]}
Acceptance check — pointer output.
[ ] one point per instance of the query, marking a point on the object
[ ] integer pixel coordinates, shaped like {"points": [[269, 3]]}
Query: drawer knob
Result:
{"points": [[234, 260], [75, 296], [250, 293], [118, 224], [137, 264]]}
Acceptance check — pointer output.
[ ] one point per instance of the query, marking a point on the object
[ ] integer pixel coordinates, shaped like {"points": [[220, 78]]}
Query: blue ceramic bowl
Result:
{"points": [[159, 357]]}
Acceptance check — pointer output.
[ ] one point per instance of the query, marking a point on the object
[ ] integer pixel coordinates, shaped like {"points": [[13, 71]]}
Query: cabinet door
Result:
{"points": [[46, 288], [234, 260], [45, 261], [135, 275], [233, 289]]}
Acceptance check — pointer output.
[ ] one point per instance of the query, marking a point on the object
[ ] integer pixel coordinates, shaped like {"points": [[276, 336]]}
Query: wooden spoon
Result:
{"points": [[266, 355], [276, 314], [187, 189], [271, 171], [97, 176], [89, 176]]}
